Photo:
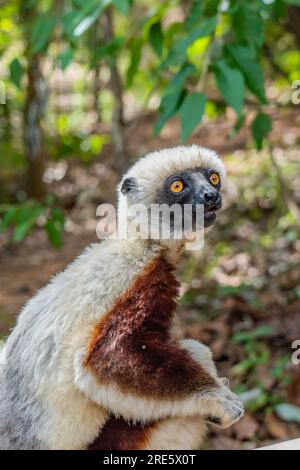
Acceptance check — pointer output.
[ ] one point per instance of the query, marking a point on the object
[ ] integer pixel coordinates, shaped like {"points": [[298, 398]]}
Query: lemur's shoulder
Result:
{"points": [[106, 269], [95, 278]]}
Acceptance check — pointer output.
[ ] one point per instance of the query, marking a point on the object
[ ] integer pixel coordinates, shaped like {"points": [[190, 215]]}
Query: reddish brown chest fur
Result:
{"points": [[117, 434], [132, 346]]}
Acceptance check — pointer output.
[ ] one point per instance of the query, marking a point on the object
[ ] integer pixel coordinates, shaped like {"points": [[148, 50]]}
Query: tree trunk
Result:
{"points": [[117, 126], [33, 113], [6, 113], [294, 22], [96, 92], [33, 133], [96, 39]]}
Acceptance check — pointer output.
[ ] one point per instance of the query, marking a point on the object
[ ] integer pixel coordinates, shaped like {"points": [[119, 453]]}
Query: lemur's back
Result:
{"points": [[60, 313], [20, 414]]}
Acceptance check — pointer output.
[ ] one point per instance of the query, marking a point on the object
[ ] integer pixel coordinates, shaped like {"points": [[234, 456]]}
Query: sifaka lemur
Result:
{"points": [[92, 362]]}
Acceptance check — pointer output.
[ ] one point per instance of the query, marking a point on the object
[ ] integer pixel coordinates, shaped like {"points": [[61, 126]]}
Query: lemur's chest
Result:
{"points": [[135, 330], [126, 342]]}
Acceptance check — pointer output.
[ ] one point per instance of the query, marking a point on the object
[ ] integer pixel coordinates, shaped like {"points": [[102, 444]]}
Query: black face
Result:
{"points": [[198, 186]]}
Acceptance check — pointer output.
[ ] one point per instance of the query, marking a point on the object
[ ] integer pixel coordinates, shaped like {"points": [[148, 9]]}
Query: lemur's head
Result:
{"points": [[184, 175]]}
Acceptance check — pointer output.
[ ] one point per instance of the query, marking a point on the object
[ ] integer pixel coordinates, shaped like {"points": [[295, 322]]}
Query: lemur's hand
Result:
{"points": [[219, 406]]}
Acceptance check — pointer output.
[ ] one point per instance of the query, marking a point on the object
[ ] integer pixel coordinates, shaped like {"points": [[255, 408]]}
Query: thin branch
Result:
{"points": [[117, 126]]}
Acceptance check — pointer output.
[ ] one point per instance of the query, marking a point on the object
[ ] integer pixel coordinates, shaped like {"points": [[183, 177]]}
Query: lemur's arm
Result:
{"points": [[133, 366], [217, 404]]}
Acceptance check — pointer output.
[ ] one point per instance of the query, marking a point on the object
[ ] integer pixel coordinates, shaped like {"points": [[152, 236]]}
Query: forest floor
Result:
{"points": [[240, 295]]}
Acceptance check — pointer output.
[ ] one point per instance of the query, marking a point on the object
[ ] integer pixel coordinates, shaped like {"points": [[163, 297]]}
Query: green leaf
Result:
{"points": [[177, 53], [21, 231], [230, 82], [237, 126], [196, 11], [42, 30], [293, 2], [65, 58], [248, 25], [86, 6], [110, 49], [58, 215], [69, 22], [206, 28], [55, 227], [8, 217], [168, 108], [30, 3], [259, 332], [16, 72], [260, 402], [244, 58], [261, 126], [26, 218], [76, 22], [191, 112], [90, 19], [288, 412], [156, 38], [54, 233], [122, 6], [85, 24], [279, 367], [172, 96], [136, 53]]}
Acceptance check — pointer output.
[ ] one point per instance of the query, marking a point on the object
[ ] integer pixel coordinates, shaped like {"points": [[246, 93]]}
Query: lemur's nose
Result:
{"points": [[211, 197]]}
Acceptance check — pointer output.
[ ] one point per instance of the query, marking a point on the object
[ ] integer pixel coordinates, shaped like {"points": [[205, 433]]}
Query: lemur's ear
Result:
{"points": [[129, 185]]}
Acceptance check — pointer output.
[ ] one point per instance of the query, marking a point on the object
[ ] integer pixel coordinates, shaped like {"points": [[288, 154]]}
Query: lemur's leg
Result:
{"points": [[177, 434], [170, 433]]}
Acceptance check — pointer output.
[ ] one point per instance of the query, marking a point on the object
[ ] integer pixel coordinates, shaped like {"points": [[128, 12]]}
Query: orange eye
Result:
{"points": [[177, 186], [214, 179]]}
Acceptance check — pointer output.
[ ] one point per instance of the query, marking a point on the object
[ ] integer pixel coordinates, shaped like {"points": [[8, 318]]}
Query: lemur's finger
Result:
{"points": [[221, 407], [225, 381]]}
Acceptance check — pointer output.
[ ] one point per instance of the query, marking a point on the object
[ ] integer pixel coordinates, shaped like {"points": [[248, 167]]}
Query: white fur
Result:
{"points": [[2, 354], [138, 408], [48, 399], [178, 434], [56, 324], [151, 170]]}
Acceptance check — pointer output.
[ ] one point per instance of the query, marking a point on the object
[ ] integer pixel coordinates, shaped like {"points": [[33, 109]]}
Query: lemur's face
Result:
{"points": [[192, 187]]}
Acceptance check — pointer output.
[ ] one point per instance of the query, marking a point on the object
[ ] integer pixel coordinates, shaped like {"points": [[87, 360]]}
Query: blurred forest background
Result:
{"points": [[88, 86]]}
